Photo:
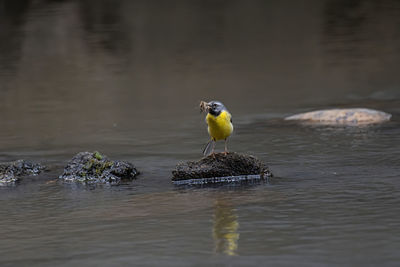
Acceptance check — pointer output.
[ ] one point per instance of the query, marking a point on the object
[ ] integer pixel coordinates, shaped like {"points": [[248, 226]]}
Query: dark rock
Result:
{"points": [[12, 171], [214, 168], [96, 168]]}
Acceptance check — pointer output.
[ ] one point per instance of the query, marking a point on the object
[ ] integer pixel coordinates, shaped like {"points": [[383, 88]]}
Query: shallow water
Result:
{"points": [[125, 78]]}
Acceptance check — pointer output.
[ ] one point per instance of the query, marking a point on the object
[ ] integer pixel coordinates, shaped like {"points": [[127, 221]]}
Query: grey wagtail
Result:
{"points": [[219, 122]]}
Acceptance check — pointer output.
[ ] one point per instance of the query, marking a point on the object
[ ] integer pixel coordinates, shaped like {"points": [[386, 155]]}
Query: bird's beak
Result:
{"points": [[208, 107]]}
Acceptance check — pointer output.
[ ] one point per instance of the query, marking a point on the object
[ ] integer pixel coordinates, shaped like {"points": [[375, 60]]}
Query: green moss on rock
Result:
{"points": [[96, 168]]}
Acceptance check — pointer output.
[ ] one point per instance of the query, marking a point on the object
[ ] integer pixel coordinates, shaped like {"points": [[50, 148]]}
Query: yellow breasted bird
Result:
{"points": [[219, 122]]}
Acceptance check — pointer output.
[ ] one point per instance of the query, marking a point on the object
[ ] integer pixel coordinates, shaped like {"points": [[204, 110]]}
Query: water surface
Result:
{"points": [[125, 78]]}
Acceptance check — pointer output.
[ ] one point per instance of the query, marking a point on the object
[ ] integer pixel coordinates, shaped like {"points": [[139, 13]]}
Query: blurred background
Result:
{"points": [[74, 69]]}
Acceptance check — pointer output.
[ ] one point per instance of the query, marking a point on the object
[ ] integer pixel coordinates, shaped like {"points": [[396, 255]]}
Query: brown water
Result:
{"points": [[125, 78]]}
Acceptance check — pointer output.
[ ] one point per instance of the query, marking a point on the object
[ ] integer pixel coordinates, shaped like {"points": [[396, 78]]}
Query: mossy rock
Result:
{"points": [[94, 167], [220, 167]]}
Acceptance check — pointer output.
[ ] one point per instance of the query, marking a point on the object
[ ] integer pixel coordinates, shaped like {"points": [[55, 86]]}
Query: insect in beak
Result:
{"points": [[204, 106]]}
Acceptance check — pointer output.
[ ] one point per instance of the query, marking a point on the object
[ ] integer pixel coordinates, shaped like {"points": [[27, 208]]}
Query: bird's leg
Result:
{"points": [[226, 146], [213, 147]]}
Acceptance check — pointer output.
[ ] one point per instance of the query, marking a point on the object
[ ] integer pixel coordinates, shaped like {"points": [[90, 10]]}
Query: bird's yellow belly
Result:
{"points": [[219, 127]]}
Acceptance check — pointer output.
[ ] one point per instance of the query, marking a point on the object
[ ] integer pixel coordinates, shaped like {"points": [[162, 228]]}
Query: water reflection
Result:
{"points": [[11, 20], [354, 31], [225, 229], [104, 26]]}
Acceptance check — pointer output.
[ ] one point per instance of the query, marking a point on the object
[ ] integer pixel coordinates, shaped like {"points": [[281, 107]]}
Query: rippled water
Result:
{"points": [[125, 78]]}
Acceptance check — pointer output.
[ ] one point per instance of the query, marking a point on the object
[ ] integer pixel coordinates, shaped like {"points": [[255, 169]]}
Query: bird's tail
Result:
{"points": [[209, 148]]}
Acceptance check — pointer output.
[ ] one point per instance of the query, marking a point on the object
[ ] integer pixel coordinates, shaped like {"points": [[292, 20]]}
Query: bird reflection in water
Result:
{"points": [[225, 229]]}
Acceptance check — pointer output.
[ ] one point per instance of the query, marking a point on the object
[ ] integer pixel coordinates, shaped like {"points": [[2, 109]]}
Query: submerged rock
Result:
{"points": [[220, 168], [96, 168], [12, 171], [350, 116]]}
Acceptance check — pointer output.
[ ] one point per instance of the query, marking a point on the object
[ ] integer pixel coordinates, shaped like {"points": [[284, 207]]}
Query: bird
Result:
{"points": [[219, 122]]}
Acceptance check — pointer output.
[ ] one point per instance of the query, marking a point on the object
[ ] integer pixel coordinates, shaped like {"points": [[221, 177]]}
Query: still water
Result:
{"points": [[126, 77]]}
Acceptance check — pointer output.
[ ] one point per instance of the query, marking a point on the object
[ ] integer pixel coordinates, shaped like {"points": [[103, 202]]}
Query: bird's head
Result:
{"points": [[215, 107]]}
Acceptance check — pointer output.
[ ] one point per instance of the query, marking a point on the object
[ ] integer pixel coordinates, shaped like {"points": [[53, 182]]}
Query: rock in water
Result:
{"points": [[351, 116], [96, 168], [220, 168], [12, 171]]}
